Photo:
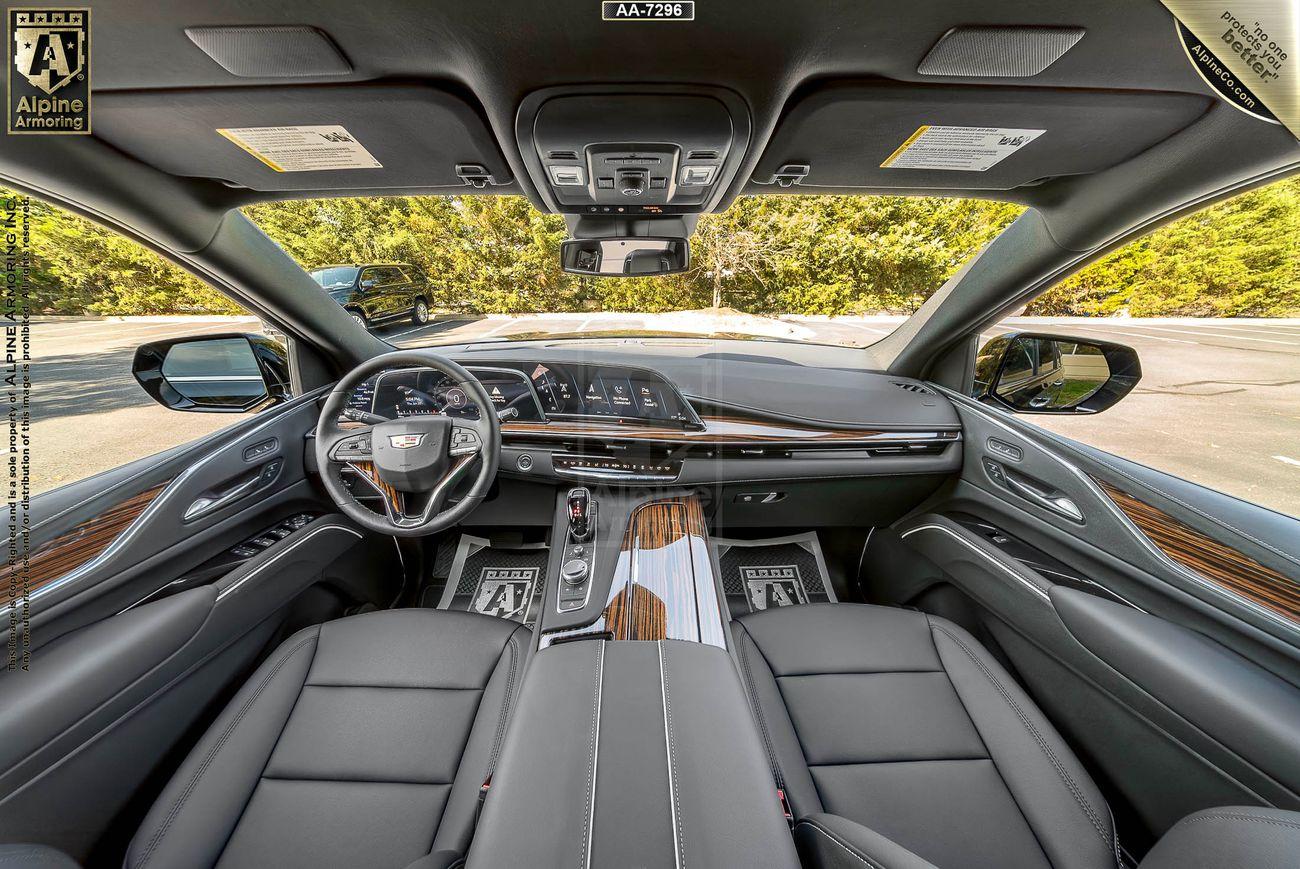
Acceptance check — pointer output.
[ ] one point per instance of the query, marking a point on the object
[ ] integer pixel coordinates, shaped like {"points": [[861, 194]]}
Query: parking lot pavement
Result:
{"points": [[1219, 402]]}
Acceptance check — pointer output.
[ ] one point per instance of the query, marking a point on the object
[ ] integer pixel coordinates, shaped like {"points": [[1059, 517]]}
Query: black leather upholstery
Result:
{"points": [[831, 842], [903, 723], [1236, 836], [360, 742], [632, 754]]}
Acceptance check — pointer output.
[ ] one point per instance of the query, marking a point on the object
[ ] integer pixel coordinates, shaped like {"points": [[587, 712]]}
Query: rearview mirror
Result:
{"points": [[1031, 373], [213, 374], [625, 257]]}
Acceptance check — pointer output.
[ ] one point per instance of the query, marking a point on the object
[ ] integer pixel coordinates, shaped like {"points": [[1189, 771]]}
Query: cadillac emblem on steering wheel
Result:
{"points": [[405, 441]]}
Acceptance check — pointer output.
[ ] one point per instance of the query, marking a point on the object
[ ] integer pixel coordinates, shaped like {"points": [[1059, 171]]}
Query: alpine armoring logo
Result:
{"points": [[49, 71]]}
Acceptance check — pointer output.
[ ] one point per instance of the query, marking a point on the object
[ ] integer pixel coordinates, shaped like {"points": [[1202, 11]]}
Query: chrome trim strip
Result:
{"points": [[156, 504], [973, 548], [230, 589]]}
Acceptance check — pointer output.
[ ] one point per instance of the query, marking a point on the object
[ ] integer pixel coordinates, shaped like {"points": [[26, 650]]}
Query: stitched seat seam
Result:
{"points": [[175, 810], [758, 709], [865, 860], [1055, 762]]}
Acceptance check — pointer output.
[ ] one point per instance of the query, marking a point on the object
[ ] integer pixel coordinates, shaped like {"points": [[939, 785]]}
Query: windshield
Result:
{"points": [[335, 278], [818, 269]]}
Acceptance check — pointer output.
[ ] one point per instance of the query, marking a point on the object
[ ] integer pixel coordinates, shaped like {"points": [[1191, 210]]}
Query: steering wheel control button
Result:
{"points": [[574, 571], [524, 462], [464, 441]]}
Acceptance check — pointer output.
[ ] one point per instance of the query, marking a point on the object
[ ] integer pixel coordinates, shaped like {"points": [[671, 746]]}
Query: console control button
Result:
{"points": [[574, 571]]}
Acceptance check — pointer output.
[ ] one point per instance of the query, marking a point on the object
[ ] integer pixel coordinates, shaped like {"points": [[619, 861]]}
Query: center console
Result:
{"points": [[633, 742]]}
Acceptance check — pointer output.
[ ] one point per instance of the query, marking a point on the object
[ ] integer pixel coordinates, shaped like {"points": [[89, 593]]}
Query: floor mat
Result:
{"points": [[496, 580], [778, 571]]}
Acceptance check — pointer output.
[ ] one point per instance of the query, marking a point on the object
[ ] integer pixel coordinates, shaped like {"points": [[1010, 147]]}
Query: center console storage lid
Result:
{"points": [[632, 754]]}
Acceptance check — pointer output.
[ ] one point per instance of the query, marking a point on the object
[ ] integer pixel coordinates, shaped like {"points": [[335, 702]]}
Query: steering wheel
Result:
{"points": [[412, 463]]}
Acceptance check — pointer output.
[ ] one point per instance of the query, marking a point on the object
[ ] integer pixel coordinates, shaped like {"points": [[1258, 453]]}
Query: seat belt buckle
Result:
{"points": [[785, 806]]}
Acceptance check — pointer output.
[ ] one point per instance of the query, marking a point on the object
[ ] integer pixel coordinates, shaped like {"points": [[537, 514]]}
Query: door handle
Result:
{"points": [[205, 504], [1057, 502], [214, 500]]}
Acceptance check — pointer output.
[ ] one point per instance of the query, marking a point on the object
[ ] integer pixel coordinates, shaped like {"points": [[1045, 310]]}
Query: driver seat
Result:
{"points": [[360, 742]]}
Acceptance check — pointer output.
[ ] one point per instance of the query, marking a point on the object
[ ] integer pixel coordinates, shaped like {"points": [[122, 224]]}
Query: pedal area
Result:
{"points": [[773, 572], [504, 580]]}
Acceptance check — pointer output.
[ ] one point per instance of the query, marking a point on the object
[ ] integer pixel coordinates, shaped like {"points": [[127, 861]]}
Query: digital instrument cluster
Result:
{"points": [[529, 392]]}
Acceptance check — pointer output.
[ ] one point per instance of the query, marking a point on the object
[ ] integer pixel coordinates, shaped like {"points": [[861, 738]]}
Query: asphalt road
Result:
{"points": [[1219, 402]]}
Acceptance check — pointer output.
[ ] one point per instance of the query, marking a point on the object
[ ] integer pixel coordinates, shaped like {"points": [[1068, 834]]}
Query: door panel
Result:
{"points": [[1157, 628], [136, 609]]}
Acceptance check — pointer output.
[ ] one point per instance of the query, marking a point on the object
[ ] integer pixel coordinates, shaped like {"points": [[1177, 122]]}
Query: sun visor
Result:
{"points": [[326, 138], [884, 135]]}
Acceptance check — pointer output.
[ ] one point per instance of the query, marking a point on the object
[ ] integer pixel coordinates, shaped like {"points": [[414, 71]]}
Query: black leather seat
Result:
{"points": [[362, 742], [903, 723]]}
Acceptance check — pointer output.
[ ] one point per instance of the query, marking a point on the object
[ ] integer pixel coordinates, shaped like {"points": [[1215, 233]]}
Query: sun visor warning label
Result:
{"points": [[303, 149], [966, 149]]}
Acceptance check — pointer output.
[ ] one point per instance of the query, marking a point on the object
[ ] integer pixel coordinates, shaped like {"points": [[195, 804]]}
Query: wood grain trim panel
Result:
{"points": [[371, 473], [664, 586], [721, 430], [1214, 561], [718, 430], [77, 546]]}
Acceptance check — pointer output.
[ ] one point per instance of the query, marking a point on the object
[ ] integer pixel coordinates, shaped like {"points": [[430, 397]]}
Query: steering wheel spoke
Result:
{"points": [[350, 445]]}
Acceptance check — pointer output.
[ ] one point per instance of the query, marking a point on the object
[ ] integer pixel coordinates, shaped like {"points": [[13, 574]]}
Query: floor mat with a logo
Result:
{"points": [[496, 580], [774, 572]]}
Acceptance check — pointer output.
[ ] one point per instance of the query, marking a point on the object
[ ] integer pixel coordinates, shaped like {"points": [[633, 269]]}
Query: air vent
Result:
{"points": [[914, 387], [563, 155], [702, 155]]}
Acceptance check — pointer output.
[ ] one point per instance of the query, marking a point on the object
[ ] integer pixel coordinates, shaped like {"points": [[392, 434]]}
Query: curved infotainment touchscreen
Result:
{"points": [[569, 390]]}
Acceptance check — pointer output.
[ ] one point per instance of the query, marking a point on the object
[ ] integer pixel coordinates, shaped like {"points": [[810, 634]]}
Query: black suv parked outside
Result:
{"points": [[377, 292]]}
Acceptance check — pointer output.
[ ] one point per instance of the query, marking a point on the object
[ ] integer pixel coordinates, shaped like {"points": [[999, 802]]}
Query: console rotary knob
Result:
{"points": [[574, 571]]}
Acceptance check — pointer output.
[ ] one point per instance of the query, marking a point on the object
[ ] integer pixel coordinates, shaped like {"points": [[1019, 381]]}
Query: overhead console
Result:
{"points": [[637, 153]]}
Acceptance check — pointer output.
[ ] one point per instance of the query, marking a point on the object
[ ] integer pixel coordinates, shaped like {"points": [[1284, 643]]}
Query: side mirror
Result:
{"points": [[625, 257], [1032, 373], [367, 284], [214, 373]]}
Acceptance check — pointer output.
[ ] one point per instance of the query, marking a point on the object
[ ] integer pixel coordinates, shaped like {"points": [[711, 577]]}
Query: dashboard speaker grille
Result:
{"points": [[999, 52]]}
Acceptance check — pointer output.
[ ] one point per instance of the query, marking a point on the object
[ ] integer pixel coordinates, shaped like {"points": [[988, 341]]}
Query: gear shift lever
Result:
{"points": [[579, 514]]}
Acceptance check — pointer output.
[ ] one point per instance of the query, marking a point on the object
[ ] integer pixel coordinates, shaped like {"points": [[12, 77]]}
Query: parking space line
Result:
{"points": [[1205, 334], [506, 325], [1287, 460], [1109, 328]]}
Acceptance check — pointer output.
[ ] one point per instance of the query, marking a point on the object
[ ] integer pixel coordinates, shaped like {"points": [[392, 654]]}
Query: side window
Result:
{"points": [[95, 297], [1211, 304]]}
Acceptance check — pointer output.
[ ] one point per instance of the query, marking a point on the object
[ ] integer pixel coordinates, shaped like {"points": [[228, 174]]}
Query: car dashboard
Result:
{"points": [[532, 392], [614, 415]]}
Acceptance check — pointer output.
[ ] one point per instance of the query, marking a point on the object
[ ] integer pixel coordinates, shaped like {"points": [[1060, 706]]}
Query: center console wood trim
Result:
{"points": [[664, 586]]}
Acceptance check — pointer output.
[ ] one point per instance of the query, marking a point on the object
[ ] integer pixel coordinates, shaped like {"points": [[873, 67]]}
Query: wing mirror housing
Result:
{"points": [[625, 257], [231, 373], [1028, 372]]}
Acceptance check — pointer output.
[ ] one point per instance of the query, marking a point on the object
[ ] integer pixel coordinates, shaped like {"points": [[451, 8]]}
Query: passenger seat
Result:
{"points": [[902, 723]]}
